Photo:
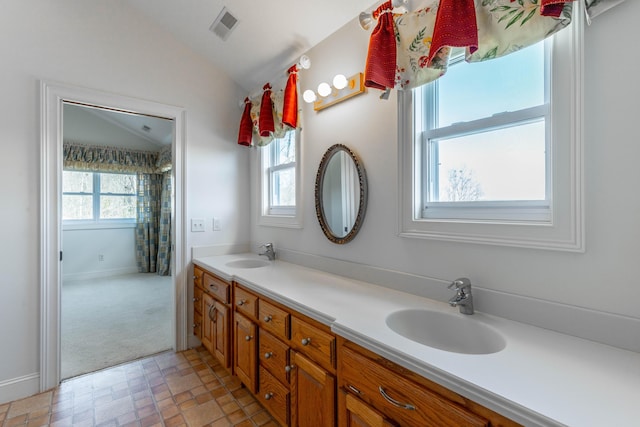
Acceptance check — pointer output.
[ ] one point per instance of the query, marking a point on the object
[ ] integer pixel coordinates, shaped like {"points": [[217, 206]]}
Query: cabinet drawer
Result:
{"points": [[273, 319], [246, 303], [217, 287], [274, 396], [371, 382], [274, 356], [197, 299], [315, 343]]}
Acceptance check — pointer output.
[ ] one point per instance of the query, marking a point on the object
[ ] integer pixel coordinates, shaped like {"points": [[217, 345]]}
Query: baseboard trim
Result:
{"points": [[20, 387], [567, 319]]}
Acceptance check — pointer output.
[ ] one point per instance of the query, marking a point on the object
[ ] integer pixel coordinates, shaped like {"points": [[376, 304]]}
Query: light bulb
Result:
{"points": [[324, 89], [339, 81], [309, 96]]}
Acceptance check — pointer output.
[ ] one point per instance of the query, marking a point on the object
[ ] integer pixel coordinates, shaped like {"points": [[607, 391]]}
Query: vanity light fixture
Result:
{"points": [[341, 89]]}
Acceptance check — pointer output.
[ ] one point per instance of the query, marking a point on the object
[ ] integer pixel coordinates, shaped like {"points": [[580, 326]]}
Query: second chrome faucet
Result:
{"points": [[463, 299]]}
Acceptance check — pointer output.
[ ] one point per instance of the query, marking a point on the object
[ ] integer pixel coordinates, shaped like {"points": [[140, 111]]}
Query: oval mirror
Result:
{"points": [[341, 194]]}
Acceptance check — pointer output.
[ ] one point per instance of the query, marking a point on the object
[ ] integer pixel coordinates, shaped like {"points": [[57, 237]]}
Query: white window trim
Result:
{"points": [[285, 217], [564, 231]]}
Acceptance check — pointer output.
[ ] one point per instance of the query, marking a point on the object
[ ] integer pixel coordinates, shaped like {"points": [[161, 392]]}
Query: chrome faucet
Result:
{"points": [[268, 251], [463, 298]]}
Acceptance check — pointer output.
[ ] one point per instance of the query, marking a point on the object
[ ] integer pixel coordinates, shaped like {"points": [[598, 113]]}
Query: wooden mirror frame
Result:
{"points": [[362, 207]]}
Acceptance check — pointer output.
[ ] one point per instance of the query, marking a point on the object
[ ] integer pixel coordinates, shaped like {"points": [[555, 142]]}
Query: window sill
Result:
{"points": [[92, 225], [283, 221]]}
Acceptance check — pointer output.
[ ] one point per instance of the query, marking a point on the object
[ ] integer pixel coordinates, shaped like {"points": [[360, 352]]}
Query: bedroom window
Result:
{"points": [[98, 197]]}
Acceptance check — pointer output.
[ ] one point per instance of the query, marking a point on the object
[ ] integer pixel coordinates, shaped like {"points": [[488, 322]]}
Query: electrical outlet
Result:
{"points": [[197, 225], [216, 224]]}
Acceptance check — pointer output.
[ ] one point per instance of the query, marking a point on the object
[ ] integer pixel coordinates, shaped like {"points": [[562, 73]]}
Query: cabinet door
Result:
{"points": [[208, 306], [353, 412], [197, 312], [312, 394], [221, 334], [245, 351]]}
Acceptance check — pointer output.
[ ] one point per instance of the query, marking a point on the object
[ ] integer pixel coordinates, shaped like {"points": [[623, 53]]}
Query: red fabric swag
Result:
{"points": [[246, 126], [552, 7], [380, 69], [290, 107], [265, 122], [455, 26]]}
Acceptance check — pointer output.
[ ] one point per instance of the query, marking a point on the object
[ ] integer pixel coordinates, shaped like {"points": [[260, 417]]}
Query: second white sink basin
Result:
{"points": [[446, 331], [247, 263]]}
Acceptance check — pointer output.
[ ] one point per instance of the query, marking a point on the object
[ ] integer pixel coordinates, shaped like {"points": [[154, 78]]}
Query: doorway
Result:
{"points": [[53, 98], [116, 272]]}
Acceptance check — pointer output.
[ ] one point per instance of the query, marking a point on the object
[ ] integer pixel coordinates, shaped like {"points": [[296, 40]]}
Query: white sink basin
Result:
{"points": [[247, 263], [446, 331]]}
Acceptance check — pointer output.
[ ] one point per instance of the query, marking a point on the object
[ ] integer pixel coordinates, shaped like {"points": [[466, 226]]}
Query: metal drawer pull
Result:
{"points": [[394, 402], [306, 341], [241, 302], [212, 315], [268, 396], [214, 287], [268, 355], [267, 318], [353, 389]]}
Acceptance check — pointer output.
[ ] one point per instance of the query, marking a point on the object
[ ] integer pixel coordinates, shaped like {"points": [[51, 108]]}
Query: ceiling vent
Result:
{"points": [[224, 24]]}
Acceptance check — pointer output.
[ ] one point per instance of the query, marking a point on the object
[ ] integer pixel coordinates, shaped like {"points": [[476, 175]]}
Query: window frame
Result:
{"points": [[96, 221], [273, 215], [563, 227]]}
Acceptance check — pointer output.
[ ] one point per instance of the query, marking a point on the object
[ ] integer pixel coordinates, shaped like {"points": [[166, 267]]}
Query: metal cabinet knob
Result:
{"points": [[248, 338], [195, 299], [241, 302], [288, 368], [268, 396], [305, 341], [268, 355], [267, 318]]}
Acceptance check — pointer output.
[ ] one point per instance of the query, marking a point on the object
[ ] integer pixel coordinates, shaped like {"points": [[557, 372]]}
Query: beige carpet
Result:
{"points": [[114, 320]]}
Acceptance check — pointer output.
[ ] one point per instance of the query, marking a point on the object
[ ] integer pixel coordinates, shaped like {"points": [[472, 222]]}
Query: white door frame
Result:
{"points": [[52, 97]]}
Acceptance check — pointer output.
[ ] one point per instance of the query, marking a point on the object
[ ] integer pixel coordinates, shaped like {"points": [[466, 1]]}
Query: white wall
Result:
{"points": [[82, 247], [102, 45], [604, 278]]}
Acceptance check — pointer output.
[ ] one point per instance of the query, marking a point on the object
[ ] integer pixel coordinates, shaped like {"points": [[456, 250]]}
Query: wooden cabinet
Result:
{"points": [[245, 351], [295, 362], [211, 319], [399, 396], [313, 391]]}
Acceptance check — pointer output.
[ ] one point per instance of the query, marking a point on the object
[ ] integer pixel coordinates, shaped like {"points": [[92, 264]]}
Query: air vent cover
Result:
{"points": [[224, 24]]}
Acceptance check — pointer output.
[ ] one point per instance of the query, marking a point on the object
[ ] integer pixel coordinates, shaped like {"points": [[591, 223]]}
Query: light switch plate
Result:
{"points": [[197, 225], [216, 224]]}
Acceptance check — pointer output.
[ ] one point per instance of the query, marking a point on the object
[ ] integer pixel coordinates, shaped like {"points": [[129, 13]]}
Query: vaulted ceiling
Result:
{"points": [[268, 38]]}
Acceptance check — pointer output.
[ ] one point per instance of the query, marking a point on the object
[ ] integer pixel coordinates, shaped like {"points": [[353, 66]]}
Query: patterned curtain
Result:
{"points": [[148, 222], [164, 233]]}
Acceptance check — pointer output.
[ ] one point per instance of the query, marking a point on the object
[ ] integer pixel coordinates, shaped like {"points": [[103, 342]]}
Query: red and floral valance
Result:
{"points": [[420, 41]]}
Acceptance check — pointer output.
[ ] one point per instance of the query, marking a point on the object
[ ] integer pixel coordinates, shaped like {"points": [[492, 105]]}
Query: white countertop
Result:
{"points": [[540, 378]]}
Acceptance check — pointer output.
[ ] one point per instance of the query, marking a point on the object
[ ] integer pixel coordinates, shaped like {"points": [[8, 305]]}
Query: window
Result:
{"points": [[280, 181], [98, 197], [497, 161], [484, 145]]}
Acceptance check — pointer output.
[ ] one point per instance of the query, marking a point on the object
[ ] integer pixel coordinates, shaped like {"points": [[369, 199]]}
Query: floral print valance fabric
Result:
{"points": [[502, 26], [114, 159]]}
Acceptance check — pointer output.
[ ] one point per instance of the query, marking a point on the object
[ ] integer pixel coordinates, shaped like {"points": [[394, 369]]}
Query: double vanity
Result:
{"points": [[318, 349]]}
